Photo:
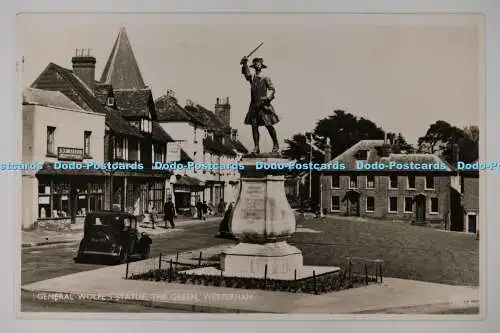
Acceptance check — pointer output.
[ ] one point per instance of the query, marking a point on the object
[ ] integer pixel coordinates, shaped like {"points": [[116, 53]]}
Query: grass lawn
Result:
{"points": [[409, 252]]}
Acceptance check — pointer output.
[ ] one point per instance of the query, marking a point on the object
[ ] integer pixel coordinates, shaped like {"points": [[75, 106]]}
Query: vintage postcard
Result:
{"points": [[193, 165]]}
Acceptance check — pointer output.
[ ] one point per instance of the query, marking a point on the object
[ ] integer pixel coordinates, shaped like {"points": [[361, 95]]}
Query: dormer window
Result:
{"points": [[110, 101], [362, 155]]}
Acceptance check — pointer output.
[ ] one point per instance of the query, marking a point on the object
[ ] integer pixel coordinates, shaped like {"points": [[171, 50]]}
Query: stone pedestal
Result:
{"points": [[247, 259], [262, 220]]}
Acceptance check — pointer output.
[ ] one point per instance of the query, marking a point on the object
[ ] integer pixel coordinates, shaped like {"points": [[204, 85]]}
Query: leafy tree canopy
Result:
{"points": [[344, 130]]}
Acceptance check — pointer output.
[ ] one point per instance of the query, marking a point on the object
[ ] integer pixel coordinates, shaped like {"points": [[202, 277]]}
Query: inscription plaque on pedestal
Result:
{"points": [[253, 207]]}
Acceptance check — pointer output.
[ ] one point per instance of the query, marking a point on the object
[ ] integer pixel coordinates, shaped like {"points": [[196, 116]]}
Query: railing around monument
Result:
{"points": [[355, 272], [364, 269], [170, 263]]}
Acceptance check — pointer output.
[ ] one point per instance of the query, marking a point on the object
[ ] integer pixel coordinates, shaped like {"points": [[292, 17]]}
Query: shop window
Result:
{"points": [[60, 200]]}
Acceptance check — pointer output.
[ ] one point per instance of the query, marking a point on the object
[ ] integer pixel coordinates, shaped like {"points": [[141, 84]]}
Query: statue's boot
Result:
{"points": [[256, 150], [276, 148]]}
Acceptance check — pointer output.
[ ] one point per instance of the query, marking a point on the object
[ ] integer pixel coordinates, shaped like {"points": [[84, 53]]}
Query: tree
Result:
{"points": [[344, 130], [403, 146], [451, 142]]}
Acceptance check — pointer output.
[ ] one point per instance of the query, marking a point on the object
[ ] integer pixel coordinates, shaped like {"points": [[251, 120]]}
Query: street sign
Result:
{"points": [[173, 152], [69, 154]]}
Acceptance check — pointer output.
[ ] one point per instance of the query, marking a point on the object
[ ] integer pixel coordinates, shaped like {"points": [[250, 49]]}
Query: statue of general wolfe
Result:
{"points": [[260, 112]]}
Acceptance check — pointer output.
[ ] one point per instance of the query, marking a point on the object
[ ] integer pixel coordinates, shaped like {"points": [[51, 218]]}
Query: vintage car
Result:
{"points": [[112, 237]]}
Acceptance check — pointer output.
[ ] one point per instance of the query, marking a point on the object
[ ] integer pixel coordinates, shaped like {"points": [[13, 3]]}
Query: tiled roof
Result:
{"points": [[160, 134], [408, 158], [121, 69], [168, 110], [194, 113], [375, 149], [239, 146], [348, 156], [216, 146], [208, 117], [102, 91], [119, 125], [134, 102], [49, 98], [57, 78], [188, 181]]}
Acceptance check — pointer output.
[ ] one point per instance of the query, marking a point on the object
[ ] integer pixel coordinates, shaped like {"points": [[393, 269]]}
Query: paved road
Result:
{"points": [[48, 262]]}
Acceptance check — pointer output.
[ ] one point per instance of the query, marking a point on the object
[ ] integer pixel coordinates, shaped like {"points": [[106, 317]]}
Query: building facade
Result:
{"points": [[470, 201], [417, 196], [51, 194], [131, 133], [206, 137], [137, 131]]}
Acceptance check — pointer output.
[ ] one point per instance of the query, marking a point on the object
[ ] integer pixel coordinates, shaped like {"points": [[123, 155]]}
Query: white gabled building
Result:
{"points": [[55, 129], [207, 138]]}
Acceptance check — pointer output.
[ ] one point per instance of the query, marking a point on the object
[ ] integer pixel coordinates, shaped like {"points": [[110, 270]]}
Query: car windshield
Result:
{"points": [[104, 220]]}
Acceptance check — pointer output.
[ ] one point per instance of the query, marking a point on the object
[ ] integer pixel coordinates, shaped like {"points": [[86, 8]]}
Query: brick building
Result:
{"points": [[417, 196], [470, 201]]}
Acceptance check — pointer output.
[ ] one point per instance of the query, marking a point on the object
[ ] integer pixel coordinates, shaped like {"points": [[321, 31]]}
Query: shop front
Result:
{"points": [[64, 196], [187, 192], [138, 193]]}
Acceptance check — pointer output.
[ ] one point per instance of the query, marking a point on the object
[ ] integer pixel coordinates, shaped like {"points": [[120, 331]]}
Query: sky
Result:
{"points": [[404, 72]]}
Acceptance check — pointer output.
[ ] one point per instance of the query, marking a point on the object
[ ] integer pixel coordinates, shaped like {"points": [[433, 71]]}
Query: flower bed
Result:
{"points": [[329, 282]]}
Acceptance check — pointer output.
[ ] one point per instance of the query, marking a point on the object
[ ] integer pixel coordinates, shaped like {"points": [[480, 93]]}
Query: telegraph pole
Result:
{"points": [[309, 135]]}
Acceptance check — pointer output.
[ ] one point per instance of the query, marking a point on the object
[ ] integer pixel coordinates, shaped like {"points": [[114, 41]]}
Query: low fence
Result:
{"points": [[364, 268], [172, 263], [355, 272]]}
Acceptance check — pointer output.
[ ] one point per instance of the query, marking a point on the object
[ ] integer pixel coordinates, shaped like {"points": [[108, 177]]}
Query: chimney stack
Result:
{"points": [[170, 93], [328, 151], [84, 67]]}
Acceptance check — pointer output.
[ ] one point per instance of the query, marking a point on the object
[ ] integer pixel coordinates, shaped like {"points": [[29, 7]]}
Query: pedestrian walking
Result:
{"points": [[169, 213], [199, 210], [151, 213], [204, 208]]}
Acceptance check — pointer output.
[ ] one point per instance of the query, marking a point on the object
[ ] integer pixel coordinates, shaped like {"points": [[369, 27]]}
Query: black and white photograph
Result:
{"points": [[186, 164]]}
